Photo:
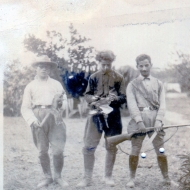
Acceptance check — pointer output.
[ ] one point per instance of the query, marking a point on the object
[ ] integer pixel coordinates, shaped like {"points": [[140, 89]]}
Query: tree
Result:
{"points": [[183, 70], [81, 64], [16, 77], [73, 72]]}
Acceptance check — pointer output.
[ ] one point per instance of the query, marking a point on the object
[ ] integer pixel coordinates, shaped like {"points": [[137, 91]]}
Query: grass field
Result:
{"points": [[179, 105]]}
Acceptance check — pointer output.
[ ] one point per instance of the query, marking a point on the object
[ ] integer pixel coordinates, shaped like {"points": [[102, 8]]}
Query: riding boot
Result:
{"points": [[58, 162], [163, 164], [133, 163], [109, 164], [88, 170], [45, 163]]}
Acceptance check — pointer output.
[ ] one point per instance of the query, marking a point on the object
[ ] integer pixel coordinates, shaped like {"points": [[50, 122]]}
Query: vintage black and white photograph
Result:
{"points": [[95, 94]]}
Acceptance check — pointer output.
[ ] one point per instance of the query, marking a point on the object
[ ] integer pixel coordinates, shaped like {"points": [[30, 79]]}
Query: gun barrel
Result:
{"points": [[115, 140], [165, 127]]}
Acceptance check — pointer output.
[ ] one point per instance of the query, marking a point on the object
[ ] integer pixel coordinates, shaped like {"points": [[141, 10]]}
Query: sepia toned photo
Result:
{"points": [[95, 94]]}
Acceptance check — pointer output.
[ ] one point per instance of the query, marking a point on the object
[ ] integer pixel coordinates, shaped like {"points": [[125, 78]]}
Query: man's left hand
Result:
{"points": [[158, 126]]}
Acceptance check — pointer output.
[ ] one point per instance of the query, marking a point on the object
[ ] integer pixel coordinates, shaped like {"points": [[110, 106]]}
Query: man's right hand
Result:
{"points": [[95, 98], [95, 102], [36, 124], [141, 127]]}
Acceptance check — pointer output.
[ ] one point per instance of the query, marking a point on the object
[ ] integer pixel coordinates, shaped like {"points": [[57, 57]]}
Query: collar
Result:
{"points": [[37, 78], [107, 73], [142, 78]]}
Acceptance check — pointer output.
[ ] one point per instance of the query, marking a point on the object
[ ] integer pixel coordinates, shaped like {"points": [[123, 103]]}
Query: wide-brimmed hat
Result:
{"points": [[43, 60]]}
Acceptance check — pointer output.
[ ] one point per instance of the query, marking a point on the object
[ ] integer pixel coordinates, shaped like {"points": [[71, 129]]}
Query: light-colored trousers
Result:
{"points": [[149, 118], [92, 138], [50, 134]]}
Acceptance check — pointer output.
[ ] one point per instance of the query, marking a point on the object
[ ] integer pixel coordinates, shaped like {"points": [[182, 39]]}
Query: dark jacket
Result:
{"points": [[96, 86]]}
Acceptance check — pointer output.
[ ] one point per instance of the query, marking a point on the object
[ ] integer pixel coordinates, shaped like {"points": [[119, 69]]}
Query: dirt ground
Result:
{"points": [[22, 170]]}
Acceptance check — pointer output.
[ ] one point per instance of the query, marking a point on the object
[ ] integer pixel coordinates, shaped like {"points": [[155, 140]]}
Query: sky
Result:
{"points": [[127, 27]]}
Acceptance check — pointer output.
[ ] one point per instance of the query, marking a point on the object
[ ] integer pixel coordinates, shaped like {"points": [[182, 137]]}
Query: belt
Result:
{"points": [[43, 107], [147, 108]]}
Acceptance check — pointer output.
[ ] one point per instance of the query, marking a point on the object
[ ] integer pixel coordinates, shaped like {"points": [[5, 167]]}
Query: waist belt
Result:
{"points": [[43, 107], [147, 108]]}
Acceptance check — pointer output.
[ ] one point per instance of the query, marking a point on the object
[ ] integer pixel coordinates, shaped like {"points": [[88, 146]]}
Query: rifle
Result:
{"points": [[115, 140]]}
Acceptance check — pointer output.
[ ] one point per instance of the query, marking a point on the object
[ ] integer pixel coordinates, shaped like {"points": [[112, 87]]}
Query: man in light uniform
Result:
{"points": [[107, 85], [37, 103], [146, 104]]}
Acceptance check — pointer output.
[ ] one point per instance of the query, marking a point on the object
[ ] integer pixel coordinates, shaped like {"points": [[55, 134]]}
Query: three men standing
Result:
{"points": [[146, 104]]}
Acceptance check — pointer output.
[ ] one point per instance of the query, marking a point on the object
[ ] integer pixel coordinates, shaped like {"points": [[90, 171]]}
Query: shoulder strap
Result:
{"points": [[143, 94]]}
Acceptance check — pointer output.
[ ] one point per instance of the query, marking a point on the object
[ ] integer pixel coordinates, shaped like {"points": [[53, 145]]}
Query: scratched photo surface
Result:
{"points": [[70, 33]]}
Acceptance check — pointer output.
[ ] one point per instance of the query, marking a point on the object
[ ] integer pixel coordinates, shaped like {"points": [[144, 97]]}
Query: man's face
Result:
{"points": [[105, 65], [144, 67], [43, 70]]}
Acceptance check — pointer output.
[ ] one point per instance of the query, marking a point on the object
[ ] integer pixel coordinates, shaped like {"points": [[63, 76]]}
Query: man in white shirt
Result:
{"points": [[37, 103]]}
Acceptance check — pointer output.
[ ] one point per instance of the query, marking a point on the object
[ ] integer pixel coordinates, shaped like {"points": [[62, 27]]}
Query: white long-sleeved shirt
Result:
{"points": [[136, 100], [39, 92]]}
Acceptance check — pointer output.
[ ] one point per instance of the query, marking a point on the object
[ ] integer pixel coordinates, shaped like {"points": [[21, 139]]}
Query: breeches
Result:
{"points": [[50, 134], [149, 118], [92, 138], [158, 142]]}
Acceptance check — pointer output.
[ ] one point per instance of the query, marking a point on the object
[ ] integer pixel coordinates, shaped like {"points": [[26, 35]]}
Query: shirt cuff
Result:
{"points": [[138, 118], [159, 117], [30, 121], [88, 98]]}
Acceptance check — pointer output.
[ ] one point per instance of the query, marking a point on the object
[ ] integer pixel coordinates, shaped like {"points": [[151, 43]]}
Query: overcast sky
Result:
{"points": [[128, 27]]}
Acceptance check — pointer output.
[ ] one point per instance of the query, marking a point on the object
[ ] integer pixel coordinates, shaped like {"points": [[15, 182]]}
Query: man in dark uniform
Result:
{"points": [[108, 86]]}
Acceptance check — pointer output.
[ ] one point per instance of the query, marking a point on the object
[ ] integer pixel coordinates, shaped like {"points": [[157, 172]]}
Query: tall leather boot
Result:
{"points": [[88, 170], [58, 162], [163, 164], [109, 164], [45, 163], [133, 163]]}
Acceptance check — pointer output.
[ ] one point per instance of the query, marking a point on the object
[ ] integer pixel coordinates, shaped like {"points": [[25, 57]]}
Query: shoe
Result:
{"points": [[61, 182], [133, 164], [45, 182], [84, 183], [131, 183], [109, 181], [167, 181]]}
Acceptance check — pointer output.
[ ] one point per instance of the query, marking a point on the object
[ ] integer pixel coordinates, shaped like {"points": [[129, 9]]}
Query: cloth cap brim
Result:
{"points": [[52, 64]]}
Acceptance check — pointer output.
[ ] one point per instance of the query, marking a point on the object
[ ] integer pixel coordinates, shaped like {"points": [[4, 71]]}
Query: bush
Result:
{"points": [[185, 169], [183, 70]]}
